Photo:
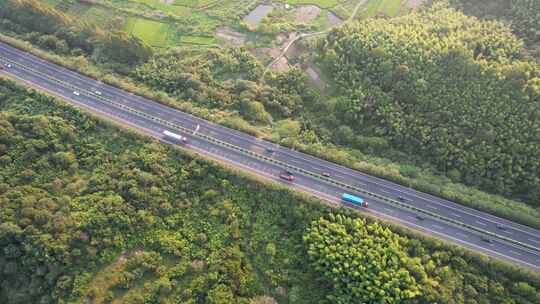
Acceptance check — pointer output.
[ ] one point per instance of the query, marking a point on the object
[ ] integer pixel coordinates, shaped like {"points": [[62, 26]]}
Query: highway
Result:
{"points": [[468, 227]]}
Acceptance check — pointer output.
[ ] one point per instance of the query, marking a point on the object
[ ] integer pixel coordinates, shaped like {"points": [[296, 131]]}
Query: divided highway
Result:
{"points": [[471, 228]]}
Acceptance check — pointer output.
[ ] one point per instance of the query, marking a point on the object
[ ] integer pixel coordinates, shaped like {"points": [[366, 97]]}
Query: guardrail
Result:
{"points": [[271, 160]]}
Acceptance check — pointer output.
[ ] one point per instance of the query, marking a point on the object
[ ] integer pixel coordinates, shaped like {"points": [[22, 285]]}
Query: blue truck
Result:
{"points": [[355, 200]]}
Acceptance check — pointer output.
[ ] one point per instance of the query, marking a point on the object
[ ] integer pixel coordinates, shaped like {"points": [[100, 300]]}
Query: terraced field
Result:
{"points": [[387, 7], [168, 23]]}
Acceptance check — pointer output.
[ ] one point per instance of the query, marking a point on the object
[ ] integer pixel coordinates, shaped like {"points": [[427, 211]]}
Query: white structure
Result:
{"points": [[175, 136]]}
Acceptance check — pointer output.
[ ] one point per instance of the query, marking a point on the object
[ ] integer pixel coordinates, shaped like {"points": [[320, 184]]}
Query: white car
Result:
{"points": [[97, 92], [8, 65], [76, 93]]}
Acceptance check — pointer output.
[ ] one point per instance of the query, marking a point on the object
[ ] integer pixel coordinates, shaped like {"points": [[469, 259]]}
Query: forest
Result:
{"points": [[442, 85], [90, 213], [523, 16], [53, 30], [229, 85]]}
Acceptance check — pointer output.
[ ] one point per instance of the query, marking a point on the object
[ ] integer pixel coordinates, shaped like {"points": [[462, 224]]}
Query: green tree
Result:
{"points": [[364, 262]]}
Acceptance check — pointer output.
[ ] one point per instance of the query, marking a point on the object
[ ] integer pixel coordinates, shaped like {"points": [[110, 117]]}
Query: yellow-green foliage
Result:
{"points": [[89, 212], [449, 87], [364, 263], [152, 32]]}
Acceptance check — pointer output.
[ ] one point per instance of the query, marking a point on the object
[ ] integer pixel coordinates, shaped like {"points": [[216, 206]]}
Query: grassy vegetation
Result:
{"points": [[189, 19], [387, 7], [141, 18], [152, 32], [202, 40], [319, 3]]}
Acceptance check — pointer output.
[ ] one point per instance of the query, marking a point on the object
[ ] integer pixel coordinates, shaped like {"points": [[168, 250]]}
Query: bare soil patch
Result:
{"points": [[231, 36], [333, 19], [306, 13], [414, 3], [314, 75]]}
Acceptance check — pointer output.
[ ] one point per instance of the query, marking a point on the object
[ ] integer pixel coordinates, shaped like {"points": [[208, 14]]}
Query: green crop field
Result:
{"points": [[388, 7], [152, 32], [174, 9], [194, 22]]}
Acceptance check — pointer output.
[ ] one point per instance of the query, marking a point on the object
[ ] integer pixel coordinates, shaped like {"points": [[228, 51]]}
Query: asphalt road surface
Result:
{"points": [[153, 118]]}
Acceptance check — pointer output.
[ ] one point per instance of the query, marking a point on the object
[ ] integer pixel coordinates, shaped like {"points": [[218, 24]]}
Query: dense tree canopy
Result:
{"points": [[523, 16], [54, 30], [365, 263], [226, 79], [226, 85], [446, 86], [89, 212]]}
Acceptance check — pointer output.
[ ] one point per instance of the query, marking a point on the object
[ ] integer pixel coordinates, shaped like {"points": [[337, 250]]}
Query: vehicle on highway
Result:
{"points": [[175, 137], [501, 227], [487, 240], [270, 150], [286, 175], [355, 200], [402, 199], [325, 174], [420, 218], [76, 93], [97, 92], [8, 65]]}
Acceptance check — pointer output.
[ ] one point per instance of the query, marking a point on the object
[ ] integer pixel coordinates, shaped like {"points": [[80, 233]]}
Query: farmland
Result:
{"points": [[91, 213], [387, 7], [169, 23]]}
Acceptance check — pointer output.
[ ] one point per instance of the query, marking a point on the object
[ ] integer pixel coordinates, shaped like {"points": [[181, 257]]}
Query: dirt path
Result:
{"points": [[306, 35]]}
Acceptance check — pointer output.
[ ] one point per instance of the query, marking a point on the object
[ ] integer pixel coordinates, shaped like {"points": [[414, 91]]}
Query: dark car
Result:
{"points": [[487, 240], [402, 198], [501, 227], [420, 218], [270, 150]]}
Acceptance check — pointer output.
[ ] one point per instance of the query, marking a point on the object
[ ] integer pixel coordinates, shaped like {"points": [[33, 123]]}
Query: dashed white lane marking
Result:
{"points": [[432, 207], [437, 226], [294, 161], [388, 210], [387, 191], [456, 215], [514, 252], [480, 223], [463, 235], [418, 227], [384, 191]]}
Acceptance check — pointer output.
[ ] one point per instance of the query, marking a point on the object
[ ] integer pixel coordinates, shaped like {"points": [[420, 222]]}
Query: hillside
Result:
{"points": [[227, 85], [453, 90], [523, 16], [93, 214]]}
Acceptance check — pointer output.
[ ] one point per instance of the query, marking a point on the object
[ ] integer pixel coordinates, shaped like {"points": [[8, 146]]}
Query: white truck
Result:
{"points": [[175, 137]]}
